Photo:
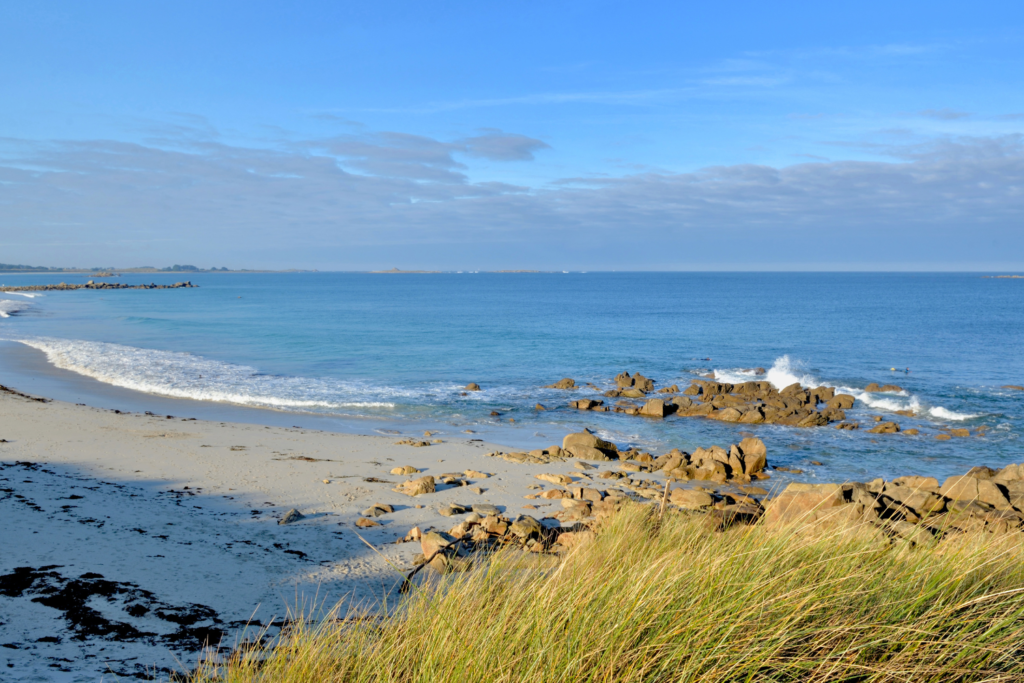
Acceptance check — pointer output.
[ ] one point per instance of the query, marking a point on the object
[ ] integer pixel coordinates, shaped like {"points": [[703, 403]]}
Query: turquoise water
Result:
{"points": [[394, 351]]}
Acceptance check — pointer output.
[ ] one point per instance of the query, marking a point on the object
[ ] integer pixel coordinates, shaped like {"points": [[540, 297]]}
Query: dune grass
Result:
{"points": [[682, 603]]}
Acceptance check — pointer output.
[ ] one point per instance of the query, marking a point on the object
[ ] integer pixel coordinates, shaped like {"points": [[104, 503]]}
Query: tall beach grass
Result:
{"points": [[679, 602]]}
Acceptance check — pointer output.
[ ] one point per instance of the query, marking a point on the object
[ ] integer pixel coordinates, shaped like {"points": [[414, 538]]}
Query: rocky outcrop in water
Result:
{"points": [[746, 403], [62, 287]]}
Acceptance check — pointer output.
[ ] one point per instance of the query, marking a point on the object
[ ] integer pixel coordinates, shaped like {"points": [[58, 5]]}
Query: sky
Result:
{"points": [[529, 135]]}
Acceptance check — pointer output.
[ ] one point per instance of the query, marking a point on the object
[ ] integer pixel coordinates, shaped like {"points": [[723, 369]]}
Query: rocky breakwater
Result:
{"points": [[746, 403], [64, 287], [915, 508]]}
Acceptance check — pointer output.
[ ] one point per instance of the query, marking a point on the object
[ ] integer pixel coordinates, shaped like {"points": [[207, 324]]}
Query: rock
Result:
{"points": [[364, 522], [586, 446], [682, 401], [291, 516], [377, 509], [804, 503], [814, 419], [654, 408], [540, 406], [485, 509], [911, 432], [943, 437], [407, 469], [1015, 387], [472, 386], [494, 525], [960, 487], [959, 432], [552, 494], [1010, 473], [583, 466], [559, 479], [917, 482], [885, 428], [727, 415], [674, 389], [691, 499], [571, 539], [412, 442], [585, 404], [526, 526], [842, 402], [417, 487], [414, 534], [452, 509], [565, 383], [754, 453], [434, 546], [473, 474]]}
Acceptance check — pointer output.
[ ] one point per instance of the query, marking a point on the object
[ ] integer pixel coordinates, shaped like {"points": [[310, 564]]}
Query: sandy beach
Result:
{"points": [[131, 539]]}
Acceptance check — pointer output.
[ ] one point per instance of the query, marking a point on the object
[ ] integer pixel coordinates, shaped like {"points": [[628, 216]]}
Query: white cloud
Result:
{"points": [[370, 201]]}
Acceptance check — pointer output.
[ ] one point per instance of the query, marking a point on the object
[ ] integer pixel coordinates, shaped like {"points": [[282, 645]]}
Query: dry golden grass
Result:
{"points": [[686, 604]]}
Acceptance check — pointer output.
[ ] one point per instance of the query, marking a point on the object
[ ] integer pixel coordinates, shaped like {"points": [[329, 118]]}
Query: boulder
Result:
{"points": [[930, 483], [654, 408], [560, 479], [485, 509], [1010, 473], [472, 386], [814, 419], [885, 428], [586, 446], [691, 499], [682, 401], [378, 509], [417, 487], [842, 402], [804, 503], [570, 539], [754, 454], [960, 487], [291, 516], [727, 415], [693, 390], [565, 383], [404, 470], [526, 526], [585, 404]]}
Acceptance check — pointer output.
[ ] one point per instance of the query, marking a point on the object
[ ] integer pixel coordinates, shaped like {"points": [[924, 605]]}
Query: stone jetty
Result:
{"points": [[64, 287]]}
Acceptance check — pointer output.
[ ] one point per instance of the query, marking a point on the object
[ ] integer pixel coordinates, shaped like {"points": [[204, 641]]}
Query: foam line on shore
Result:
{"points": [[184, 375]]}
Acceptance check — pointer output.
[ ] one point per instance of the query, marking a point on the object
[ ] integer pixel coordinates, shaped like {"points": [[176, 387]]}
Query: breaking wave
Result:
{"points": [[184, 375], [9, 308]]}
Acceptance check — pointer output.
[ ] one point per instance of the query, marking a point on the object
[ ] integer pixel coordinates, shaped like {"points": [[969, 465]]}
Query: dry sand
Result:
{"points": [[129, 539]]}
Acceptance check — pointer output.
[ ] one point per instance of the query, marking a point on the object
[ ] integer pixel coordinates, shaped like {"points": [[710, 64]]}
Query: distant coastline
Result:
{"points": [[8, 268]]}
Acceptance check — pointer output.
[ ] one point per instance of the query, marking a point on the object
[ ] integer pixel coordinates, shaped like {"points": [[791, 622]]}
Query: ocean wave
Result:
{"points": [[30, 295], [944, 414], [9, 307], [785, 371], [734, 375], [183, 375]]}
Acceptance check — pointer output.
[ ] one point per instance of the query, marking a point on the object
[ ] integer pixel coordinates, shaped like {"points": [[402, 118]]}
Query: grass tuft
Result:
{"points": [[684, 604]]}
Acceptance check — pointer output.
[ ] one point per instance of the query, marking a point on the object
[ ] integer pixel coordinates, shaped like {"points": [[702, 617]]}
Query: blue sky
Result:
{"points": [[571, 135]]}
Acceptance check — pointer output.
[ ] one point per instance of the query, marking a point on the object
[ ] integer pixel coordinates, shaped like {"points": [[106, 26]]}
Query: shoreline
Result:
{"points": [[93, 492], [173, 528]]}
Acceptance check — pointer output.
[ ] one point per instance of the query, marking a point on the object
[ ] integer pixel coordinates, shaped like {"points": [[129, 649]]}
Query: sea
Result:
{"points": [[392, 354]]}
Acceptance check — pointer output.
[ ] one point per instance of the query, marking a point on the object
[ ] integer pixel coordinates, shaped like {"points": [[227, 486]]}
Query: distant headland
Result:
{"points": [[114, 272]]}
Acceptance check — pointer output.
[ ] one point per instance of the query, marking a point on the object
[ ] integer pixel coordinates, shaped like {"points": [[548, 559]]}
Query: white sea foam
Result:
{"points": [[183, 375], [785, 372], [943, 414], [734, 375], [28, 294], [9, 308]]}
